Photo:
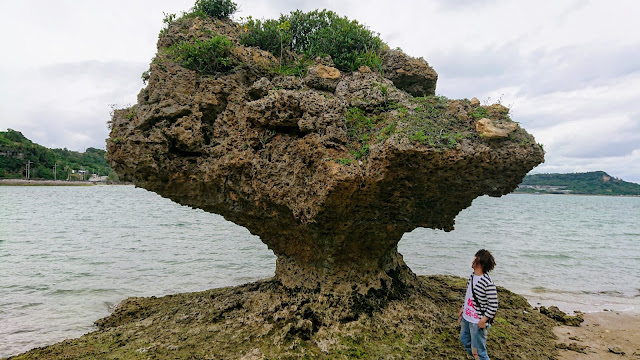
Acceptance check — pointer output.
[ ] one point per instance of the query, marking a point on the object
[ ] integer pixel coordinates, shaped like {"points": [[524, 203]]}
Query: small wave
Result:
{"points": [[23, 331], [79, 291], [33, 288], [540, 289], [65, 292], [615, 293], [549, 256], [611, 293], [111, 306], [544, 290], [26, 306], [82, 275]]}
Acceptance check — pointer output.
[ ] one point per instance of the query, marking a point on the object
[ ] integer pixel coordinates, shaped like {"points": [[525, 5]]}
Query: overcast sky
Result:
{"points": [[569, 69]]}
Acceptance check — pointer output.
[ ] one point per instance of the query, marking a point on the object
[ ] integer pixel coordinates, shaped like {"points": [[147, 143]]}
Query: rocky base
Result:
{"points": [[264, 320]]}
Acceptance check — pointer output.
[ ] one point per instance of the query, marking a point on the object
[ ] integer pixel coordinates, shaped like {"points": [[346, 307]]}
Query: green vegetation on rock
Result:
{"points": [[217, 9], [315, 33], [361, 128], [589, 183], [432, 123], [205, 56], [16, 150], [263, 320]]}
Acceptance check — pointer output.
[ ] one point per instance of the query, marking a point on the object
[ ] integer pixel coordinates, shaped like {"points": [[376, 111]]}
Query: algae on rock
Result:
{"points": [[264, 320]]}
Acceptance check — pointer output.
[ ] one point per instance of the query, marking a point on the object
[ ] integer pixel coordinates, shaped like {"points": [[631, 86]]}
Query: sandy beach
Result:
{"points": [[603, 335]]}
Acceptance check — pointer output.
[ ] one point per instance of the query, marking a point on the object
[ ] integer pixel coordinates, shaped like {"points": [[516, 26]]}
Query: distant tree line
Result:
{"points": [[590, 183], [16, 151]]}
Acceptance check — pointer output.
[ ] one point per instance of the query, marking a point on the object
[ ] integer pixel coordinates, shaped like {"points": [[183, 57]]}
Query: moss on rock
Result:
{"points": [[264, 320]]}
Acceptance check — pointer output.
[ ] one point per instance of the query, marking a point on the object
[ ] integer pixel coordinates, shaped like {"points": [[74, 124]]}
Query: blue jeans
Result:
{"points": [[474, 340]]}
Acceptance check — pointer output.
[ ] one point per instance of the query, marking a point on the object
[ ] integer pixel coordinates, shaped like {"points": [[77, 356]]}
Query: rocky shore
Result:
{"points": [[264, 320]]}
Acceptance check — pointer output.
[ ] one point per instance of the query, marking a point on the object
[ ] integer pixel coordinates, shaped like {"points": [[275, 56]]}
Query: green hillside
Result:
{"points": [[16, 150], [590, 183]]}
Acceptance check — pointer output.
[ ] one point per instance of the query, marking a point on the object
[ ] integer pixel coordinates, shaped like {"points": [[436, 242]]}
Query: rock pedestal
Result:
{"points": [[329, 170]]}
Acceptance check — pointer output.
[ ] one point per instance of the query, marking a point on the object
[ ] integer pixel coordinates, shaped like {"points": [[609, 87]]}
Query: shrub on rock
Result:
{"points": [[218, 9]]}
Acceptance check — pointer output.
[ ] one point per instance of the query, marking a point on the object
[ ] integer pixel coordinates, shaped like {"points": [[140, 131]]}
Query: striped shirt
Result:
{"points": [[487, 296]]}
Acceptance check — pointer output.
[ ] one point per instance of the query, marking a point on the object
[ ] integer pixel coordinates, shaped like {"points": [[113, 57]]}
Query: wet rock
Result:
{"points": [[558, 315], [573, 347], [616, 350], [267, 320]]}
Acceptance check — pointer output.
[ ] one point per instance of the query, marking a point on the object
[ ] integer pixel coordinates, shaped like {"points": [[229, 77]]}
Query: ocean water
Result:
{"points": [[68, 255]]}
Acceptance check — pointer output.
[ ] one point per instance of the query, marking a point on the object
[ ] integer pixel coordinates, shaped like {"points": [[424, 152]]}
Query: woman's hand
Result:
{"points": [[460, 314], [482, 324]]}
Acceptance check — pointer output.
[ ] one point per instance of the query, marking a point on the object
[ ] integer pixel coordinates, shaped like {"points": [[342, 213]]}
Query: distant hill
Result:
{"points": [[590, 183], [16, 150]]}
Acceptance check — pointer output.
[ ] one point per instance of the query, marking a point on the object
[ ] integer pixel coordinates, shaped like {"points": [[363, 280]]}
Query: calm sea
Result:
{"points": [[68, 255]]}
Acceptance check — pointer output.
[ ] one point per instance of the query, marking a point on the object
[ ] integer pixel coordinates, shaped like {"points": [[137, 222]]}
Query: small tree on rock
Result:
{"points": [[218, 9]]}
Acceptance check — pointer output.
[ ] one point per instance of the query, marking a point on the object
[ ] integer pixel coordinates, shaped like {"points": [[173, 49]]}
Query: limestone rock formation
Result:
{"points": [[414, 76], [490, 131], [329, 170]]}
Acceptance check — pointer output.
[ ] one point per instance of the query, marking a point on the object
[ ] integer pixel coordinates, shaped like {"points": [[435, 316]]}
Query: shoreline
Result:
{"points": [[600, 331], [603, 335], [586, 305], [23, 182], [574, 194], [220, 320]]}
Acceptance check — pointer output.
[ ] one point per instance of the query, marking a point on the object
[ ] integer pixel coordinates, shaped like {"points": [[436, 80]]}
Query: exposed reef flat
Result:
{"points": [[264, 320]]}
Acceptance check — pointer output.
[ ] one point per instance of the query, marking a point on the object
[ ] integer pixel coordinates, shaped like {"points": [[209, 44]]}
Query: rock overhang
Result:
{"points": [[329, 169]]}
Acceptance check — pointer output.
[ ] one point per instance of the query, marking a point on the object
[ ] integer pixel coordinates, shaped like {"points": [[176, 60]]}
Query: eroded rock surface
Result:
{"points": [[329, 170], [264, 320]]}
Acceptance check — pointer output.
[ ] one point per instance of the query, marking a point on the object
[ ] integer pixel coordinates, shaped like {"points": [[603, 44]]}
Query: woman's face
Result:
{"points": [[475, 263]]}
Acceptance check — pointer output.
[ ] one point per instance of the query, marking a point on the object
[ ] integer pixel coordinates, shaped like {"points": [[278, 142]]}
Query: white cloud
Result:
{"points": [[569, 67], [66, 105]]}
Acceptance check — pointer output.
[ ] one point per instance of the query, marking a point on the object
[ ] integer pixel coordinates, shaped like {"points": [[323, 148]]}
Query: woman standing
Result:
{"points": [[480, 306]]}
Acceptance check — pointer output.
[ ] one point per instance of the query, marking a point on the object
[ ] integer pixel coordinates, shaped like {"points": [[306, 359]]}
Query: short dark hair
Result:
{"points": [[486, 260]]}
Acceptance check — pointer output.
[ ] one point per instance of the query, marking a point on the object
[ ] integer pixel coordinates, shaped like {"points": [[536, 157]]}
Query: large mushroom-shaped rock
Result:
{"points": [[329, 172]]}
